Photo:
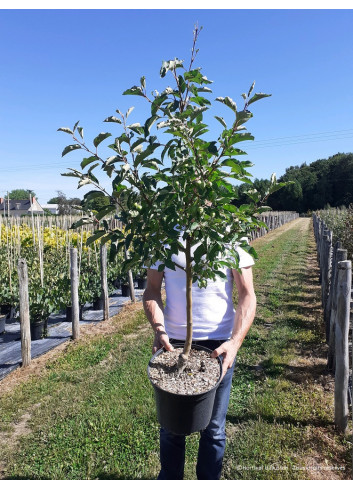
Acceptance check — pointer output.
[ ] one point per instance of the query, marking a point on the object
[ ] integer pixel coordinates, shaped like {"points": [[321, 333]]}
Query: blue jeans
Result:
{"points": [[212, 441]]}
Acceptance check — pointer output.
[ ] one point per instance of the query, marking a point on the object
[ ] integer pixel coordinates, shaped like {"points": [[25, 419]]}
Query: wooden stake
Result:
{"points": [[104, 281], [74, 294], [24, 313], [344, 284]]}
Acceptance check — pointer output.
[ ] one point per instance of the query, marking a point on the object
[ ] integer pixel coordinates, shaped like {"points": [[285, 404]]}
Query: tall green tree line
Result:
{"points": [[321, 183]]}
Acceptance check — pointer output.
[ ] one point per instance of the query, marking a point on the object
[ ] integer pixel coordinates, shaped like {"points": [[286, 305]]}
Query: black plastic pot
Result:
{"points": [[37, 329], [183, 414], [141, 283], [98, 304], [125, 290], [8, 310], [2, 323], [69, 313], [117, 283]]}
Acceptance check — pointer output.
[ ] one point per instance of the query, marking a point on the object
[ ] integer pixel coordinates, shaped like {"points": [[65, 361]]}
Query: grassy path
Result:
{"points": [[88, 412]]}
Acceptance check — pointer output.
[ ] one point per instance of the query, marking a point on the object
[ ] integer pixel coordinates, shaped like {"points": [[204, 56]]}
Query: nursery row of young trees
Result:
{"points": [[340, 222], [46, 249]]}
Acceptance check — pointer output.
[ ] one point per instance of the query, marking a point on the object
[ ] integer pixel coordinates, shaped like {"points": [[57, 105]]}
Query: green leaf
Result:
{"points": [[234, 164], [88, 161], [204, 89], [70, 148], [213, 252], [206, 81], [182, 84], [101, 137], [80, 131], [244, 116], [84, 181], [228, 102], [149, 123], [136, 144], [91, 168], [221, 120], [193, 76], [112, 118], [157, 102], [197, 112], [147, 152], [251, 89], [170, 65], [236, 138], [93, 194], [128, 112], [104, 211], [97, 235], [112, 159], [200, 101], [66, 129], [70, 174], [199, 252], [258, 96], [150, 164], [212, 148], [166, 147], [134, 91]]}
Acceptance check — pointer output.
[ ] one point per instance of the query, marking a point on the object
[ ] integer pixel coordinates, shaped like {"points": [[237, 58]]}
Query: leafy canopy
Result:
{"points": [[168, 180]]}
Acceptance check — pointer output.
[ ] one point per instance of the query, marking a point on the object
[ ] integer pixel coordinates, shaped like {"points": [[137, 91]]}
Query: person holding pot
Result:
{"points": [[217, 326]]}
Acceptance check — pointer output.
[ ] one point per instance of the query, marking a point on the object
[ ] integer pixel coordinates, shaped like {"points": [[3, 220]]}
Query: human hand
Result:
{"points": [[161, 340], [229, 351]]}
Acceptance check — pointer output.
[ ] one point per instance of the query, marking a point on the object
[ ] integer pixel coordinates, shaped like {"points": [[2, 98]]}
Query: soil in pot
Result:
{"points": [[200, 375], [2, 323]]}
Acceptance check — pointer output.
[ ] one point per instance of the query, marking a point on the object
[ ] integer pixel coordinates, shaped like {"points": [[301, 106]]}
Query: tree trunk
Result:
{"points": [[130, 278], [183, 357], [24, 313], [104, 281], [74, 294]]}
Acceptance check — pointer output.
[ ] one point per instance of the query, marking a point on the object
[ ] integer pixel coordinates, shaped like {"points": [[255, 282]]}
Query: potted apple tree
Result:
{"points": [[172, 189]]}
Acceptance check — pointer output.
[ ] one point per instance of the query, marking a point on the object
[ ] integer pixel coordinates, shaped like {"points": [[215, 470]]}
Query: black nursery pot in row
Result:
{"points": [[69, 313], [8, 310], [38, 329], [125, 290]]}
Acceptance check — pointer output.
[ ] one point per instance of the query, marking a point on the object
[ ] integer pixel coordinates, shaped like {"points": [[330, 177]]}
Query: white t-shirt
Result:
{"points": [[212, 307]]}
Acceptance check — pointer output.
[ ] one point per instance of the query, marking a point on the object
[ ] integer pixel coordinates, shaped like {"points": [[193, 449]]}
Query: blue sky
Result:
{"points": [[61, 66]]}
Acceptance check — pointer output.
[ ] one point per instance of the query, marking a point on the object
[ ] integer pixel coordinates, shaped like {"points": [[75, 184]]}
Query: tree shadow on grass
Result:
{"points": [[116, 477], [285, 420]]}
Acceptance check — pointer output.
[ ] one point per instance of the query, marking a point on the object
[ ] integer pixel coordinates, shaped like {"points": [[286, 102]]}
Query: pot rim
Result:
{"points": [[195, 347]]}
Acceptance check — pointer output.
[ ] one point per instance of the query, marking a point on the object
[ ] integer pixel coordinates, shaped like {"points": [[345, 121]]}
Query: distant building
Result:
{"points": [[20, 207], [53, 208]]}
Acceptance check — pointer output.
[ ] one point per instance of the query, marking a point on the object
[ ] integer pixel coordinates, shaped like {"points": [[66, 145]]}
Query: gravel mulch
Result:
{"points": [[200, 375]]}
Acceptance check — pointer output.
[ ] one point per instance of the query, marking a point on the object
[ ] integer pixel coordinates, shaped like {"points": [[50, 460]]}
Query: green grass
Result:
{"points": [[93, 414]]}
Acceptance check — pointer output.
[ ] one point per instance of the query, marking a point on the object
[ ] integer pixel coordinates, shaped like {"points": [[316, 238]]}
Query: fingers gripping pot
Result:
{"points": [[183, 414]]}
